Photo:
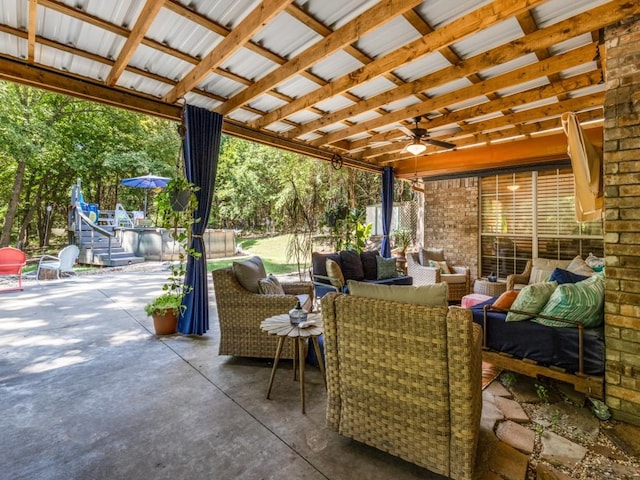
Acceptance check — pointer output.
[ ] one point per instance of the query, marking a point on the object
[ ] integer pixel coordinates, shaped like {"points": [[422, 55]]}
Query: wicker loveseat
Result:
{"points": [[405, 379], [240, 312], [459, 278]]}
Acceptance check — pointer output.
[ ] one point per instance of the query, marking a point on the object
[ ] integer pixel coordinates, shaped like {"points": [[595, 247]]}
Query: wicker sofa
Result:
{"points": [[240, 312], [405, 379], [459, 280]]}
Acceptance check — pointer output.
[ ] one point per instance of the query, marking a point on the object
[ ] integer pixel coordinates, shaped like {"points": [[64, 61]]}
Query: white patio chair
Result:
{"points": [[63, 263]]}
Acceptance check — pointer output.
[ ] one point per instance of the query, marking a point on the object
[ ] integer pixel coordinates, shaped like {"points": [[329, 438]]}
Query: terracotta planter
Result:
{"points": [[166, 324]]}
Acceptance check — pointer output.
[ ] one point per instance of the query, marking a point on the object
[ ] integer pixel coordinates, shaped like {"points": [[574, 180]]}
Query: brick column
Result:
{"points": [[622, 219], [451, 220]]}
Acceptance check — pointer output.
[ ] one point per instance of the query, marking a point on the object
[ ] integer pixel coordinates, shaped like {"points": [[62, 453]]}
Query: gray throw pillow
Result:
{"points": [[248, 272], [270, 286]]}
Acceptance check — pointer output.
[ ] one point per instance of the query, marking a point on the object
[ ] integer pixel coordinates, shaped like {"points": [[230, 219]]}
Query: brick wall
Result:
{"points": [[622, 219], [451, 220]]}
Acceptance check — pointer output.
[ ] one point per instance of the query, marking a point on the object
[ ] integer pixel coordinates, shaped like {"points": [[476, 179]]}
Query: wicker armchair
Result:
{"points": [[405, 379], [459, 281], [535, 271], [241, 311]]}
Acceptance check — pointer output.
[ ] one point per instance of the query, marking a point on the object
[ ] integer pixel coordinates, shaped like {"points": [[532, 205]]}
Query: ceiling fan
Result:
{"points": [[420, 136]]}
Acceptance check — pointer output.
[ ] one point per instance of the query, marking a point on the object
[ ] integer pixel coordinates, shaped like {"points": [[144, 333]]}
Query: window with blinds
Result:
{"points": [[531, 214]]}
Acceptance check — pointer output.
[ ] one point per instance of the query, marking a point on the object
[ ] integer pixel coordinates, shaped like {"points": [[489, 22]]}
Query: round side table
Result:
{"points": [[281, 326], [492, 289]]}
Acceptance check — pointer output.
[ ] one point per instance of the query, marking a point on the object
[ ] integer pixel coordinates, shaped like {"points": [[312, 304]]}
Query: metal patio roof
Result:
{"points": [[334, 79]]}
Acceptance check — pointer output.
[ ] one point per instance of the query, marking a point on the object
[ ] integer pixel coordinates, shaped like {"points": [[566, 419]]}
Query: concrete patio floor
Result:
{"points": [[90, 392]]}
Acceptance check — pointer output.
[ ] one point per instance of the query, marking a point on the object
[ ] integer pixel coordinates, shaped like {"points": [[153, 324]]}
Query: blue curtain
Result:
{"points": [[201, 148], [387, 208]]}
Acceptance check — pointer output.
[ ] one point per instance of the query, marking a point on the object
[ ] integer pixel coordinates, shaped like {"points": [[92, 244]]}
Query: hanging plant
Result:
{"points": [[179, 191]]}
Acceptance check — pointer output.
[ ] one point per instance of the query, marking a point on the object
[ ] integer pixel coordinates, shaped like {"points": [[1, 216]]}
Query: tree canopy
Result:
{"points": [[50, 140]]}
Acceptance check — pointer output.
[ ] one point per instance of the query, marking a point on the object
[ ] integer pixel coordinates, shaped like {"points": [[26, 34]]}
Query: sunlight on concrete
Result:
{"points": [[120, 338], [53, 364], [37, 341]]}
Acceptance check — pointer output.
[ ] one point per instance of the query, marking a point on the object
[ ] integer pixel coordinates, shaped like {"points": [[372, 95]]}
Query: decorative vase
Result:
{"points": [[179, 200], [297, 314], [166, 324], [492, 277]]}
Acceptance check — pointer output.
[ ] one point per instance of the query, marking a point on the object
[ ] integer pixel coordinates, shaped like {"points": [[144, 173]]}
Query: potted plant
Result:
{"points": [[402, 240], [179, 192], [166, 308]]}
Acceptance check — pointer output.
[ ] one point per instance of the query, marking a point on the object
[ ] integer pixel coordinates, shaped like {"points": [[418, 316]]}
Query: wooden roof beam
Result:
{"points": [[536, 41], [345, 35], [442, 37], [31, 30], [551, 65], [145, 19], [237, 38]]}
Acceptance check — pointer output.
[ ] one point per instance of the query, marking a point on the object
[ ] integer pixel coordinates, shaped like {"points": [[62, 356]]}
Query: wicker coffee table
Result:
{"points": [[281, 326], [485, 287]]}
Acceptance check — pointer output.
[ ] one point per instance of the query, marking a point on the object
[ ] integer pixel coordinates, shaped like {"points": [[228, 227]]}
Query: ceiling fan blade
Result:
{"points": [[444, 131], [406, 130], [439, 143]]}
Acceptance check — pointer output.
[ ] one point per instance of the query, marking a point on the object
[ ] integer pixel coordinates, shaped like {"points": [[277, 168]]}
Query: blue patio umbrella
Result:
{"points": [[146, 182]]}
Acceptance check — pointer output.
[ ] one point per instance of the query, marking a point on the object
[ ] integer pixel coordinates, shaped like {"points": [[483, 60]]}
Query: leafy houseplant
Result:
{"points": [[402, 239], [179, 192], [166, 308]]}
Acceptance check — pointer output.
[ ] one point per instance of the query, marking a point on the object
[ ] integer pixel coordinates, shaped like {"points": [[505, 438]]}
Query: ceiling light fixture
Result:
{"points": [[416, 147]]}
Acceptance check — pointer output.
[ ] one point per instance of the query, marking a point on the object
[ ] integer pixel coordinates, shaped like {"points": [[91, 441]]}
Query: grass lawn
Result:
{"points": [[272, 251]]}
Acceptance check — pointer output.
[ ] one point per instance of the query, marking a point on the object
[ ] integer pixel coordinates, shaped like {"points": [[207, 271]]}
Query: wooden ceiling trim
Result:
{"points": [[551, 65], [31, 29], [337, 40], [237, 38], [512, 133], [586, 102], [538, 40], [145, 19], [500, 104], [534, 151], [462, 27]]}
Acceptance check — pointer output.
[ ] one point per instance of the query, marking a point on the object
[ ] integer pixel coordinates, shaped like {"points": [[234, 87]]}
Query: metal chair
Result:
{"points": [[63, 263], [12, 260]]}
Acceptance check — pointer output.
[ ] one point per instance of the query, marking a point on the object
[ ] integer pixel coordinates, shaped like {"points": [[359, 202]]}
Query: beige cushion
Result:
{"points": [[335, 272], [543, 267], [435, 295], [426, 254], [248, 272], [453, 277], [580, 267]]}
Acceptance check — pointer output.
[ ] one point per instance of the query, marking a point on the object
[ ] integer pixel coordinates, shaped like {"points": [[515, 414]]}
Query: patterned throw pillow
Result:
{"points": [[444, 268], [582, 301], [386, 268], [532, 299], [580, 267], [270, 286], [335, 272]]}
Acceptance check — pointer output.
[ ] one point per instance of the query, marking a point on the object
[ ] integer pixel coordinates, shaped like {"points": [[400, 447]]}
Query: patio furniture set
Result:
{"points": [[403, 367]]}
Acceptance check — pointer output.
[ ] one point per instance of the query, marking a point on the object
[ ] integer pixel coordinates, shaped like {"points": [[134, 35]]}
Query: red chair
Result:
{"points": [[12, 261]]}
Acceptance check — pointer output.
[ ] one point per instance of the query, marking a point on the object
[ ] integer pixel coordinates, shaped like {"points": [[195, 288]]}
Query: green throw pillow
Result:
{"points": [[435, 295], [531, 298], [386, 268], [582, 301]]}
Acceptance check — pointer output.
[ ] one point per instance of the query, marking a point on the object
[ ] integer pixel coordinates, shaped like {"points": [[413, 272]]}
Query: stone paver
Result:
{"points": [[511, 409], [578, 420], [516, 435], [626, 437], [558, 450], [525, 391], [496, 389], [490, 413]]}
